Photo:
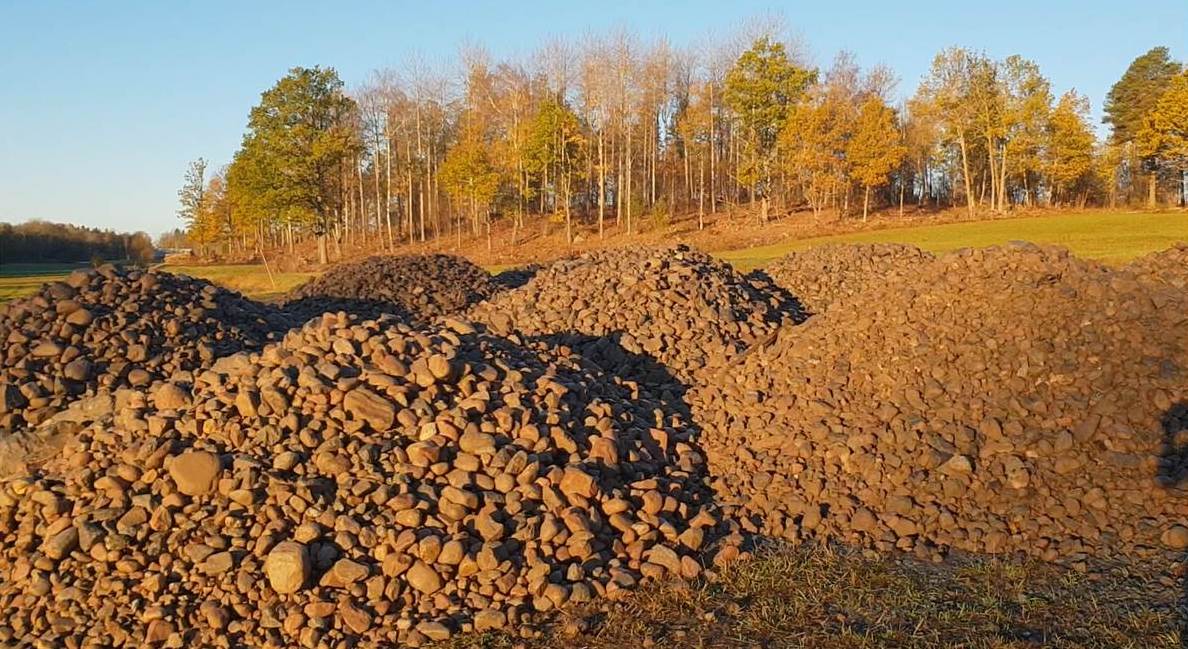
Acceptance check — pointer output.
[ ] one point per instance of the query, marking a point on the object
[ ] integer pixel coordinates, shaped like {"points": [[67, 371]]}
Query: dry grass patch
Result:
{"points": [[830, 598]]}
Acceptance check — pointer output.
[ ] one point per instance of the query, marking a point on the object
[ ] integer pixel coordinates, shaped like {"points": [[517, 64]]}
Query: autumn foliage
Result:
{"points": [[618, 133]]}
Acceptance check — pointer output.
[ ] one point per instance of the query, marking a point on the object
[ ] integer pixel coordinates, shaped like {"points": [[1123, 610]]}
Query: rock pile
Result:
{"points": [[111, 327], [1169, 266], [411, 286], [820, 276], [1008, 399], [675, 305], [358, 484]]}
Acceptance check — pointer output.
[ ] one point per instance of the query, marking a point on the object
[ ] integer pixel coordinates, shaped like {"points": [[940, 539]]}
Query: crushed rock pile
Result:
{"points": [[673, 305], [1007, 399], [110, 327], [358, 484], [419, 287], [820, 276], [1169, 266]]}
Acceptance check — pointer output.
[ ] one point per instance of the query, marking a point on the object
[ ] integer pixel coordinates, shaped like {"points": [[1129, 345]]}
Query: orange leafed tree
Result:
{"points": [[875, 149]]}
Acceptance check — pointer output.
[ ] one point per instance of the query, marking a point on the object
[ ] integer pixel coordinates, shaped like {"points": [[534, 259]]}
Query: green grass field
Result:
{"points": [[17, 280], [1113, 237], [22, 279], [250, 279]]}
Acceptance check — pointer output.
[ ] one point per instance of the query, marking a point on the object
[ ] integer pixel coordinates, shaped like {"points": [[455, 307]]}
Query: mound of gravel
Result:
{"points": [[358, 484], [112, 327], [675, 305], [411, 286], [1008, 399], [1169, 266], [820, 276]]}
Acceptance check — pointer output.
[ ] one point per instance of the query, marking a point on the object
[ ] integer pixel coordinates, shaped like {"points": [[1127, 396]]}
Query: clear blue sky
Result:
{"points": [[103, 103]]}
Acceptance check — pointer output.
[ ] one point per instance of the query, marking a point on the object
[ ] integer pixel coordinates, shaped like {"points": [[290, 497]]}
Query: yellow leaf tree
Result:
{"points": [[1070, 148], [1164, 132], [876, 148], [813, 144]]}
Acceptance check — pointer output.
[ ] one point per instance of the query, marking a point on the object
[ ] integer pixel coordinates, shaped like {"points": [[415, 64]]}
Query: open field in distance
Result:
{"points": [[17, 280], [1114, 237]]}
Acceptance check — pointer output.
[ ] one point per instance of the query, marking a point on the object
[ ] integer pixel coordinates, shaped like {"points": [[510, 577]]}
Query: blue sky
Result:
{"points": [[103, 103]]}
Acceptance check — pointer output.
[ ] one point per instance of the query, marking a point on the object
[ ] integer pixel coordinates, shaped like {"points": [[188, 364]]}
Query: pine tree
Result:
{"points": [[1132, 99], [1134, 95], [1164, 133]]}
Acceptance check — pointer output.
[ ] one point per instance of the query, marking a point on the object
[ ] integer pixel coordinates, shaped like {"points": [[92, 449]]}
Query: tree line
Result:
{"points": [[44, 242], [617, 132]]}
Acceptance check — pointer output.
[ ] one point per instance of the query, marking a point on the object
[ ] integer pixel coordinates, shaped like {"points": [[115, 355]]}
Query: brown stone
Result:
{"points": [[288, 567], [195, 472]]}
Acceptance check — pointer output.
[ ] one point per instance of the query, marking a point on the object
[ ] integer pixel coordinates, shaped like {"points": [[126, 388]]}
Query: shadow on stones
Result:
{"points": [[608, 355], [517, 277], [784, 304], [656, 401], [656, 384], [304, 309], [1172, 472], [1173, 456]]}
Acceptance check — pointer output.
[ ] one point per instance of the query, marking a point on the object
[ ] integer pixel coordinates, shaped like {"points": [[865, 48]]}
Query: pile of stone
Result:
{"points": [[644, 311], [110, 327], [1007, 399], [361, 483], [419, 287], [1169, 266], [820, 276]]}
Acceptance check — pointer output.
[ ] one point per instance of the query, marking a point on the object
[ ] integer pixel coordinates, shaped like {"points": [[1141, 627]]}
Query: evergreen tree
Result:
{"points": [[1130, 102], [1134, 95], [1164, 133]]}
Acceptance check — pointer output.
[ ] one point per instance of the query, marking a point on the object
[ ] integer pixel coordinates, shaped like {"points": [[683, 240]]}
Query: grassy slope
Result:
{"points": [[1108, 236], [250, 279]]}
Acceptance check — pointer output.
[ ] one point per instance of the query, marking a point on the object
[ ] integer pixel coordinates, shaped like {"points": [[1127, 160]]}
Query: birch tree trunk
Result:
{"points": [[965, 175], [388, 193], [701, 193], [601, 186]]}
